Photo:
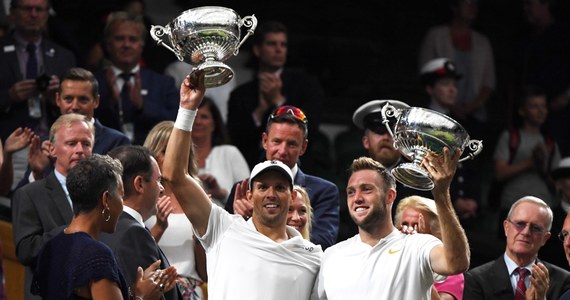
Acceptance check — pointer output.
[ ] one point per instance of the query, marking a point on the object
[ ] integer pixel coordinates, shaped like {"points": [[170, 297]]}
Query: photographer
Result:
{"points": [[29, 77]]}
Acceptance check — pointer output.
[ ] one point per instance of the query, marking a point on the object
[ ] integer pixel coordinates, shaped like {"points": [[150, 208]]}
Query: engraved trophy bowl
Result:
{"points": [[205, 37], [419, 131]]}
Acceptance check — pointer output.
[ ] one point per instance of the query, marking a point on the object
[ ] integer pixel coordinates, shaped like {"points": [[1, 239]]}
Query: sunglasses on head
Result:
{"points": [[289, 110]]}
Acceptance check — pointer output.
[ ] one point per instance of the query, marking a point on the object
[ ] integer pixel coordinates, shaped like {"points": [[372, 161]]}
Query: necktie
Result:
{"points": [[127, 106], [521, 287], [32, 64]]}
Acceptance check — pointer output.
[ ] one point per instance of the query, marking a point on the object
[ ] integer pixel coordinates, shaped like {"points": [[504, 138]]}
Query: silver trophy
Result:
{"points": [[205, 37], [419, 131]]}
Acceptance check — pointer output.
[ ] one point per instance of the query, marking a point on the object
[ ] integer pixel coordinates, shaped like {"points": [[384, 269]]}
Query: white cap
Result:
{"points": [[271, 165], [369, 113], [438, 68]]}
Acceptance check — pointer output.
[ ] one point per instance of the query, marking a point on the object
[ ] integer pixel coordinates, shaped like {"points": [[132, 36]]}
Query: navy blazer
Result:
{"points": [[161, 99], [324, 198], [134, 246], [56, 61], [40, 210], [299, 89], [492, 281]]}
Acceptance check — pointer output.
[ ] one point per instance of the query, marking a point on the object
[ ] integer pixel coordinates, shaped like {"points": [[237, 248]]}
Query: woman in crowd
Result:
{"points": [[172, 229], [415, 214], [220, 164], [74, 264], [301, 213]]}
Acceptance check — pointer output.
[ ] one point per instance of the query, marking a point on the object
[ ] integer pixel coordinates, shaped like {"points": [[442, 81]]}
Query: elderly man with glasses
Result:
{"points": [[519, 272]]}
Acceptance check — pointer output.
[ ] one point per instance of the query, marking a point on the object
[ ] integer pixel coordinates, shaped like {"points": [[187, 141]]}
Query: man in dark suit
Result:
{"points": [[78, 93], [133, 99], [42, 209], [132, 243], [519, 270], [25, 55], [285, 141], [274, 85]]}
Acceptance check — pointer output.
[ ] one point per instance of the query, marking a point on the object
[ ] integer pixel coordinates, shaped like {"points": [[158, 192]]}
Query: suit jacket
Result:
{"points": [[160, 102], [324, 198], [107, 139], [56, 60], [491, 281], [299, 90], [553, 247], [40, 210], [134, 246]]}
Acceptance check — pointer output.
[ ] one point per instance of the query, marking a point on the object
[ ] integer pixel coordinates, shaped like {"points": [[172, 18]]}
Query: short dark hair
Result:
{"points": [[90, 178], [80, 74], [123, 17], [136, 161], [530, 91], [287, 118], [266, 27], [367, 163]]}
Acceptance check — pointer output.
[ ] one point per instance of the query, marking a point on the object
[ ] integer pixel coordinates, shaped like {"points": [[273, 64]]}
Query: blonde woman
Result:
{"points": [[415, 214], [300, 212], [171, 228]]}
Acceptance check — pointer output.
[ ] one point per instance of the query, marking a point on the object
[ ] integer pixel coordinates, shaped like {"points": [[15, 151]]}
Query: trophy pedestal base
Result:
{"points": [[413, 176], [215, 73]]}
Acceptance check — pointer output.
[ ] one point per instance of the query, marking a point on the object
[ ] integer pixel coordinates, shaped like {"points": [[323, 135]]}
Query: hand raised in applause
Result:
{"points": [[39, 157], [242, 206], [539, 283]]}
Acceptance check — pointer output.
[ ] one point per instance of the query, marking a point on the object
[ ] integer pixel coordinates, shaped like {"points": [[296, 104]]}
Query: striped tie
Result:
{"points": [[521, 287]]}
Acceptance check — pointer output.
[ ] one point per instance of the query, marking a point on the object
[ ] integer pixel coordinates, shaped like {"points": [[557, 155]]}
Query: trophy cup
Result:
{"points": [[419, 131], [205, 37]]}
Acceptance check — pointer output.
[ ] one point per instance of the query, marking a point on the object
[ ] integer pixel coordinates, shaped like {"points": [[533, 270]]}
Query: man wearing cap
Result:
{"points": [[286, 139], [380, 144], [261, 258], [439, 77], [551, 249]]}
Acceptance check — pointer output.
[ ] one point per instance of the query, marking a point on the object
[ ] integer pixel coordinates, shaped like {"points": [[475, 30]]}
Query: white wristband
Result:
{"points": [[185, 119]]}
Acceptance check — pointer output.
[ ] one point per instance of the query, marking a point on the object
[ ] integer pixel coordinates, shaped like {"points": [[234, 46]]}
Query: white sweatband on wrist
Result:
{"points": [[185, 119]]}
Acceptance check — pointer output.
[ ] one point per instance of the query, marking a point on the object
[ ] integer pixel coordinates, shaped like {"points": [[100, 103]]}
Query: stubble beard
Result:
{"points": [[376, 216]]}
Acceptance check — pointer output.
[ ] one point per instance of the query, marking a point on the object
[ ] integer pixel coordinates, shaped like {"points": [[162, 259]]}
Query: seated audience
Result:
{"points": [[519, 273]]}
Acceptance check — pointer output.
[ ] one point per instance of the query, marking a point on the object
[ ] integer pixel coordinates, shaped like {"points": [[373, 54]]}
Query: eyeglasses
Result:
{"points": [[534, 229], [291, 110], [29, 9], [563, 235]]}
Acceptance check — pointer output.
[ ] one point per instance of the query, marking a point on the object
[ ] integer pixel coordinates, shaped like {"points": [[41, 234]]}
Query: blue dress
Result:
{"points": [[71, 261]]}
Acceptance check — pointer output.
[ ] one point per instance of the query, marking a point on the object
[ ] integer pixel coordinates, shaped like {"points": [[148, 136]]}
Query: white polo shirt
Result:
{"points": [[245, 264], [398, 267]]}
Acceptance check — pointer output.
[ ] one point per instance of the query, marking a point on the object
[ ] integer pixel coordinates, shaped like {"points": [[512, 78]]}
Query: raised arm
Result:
{"points": [[453, 256], [192, 198]]}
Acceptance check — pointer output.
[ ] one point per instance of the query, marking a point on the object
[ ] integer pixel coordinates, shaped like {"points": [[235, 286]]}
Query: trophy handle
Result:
{"points": [[475, 146], [389, 111], [156, 31], [251, 22]]}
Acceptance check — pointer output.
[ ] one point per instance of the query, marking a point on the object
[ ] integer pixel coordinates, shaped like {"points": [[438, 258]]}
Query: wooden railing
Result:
{"points": [[13, 270]]}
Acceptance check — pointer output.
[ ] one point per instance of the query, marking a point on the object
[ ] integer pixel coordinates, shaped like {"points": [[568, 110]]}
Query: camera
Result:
{"points": [[42, 82]]}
